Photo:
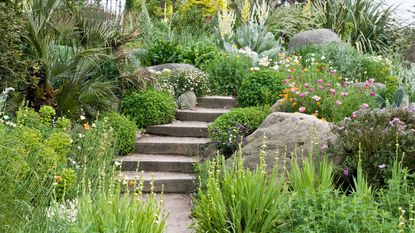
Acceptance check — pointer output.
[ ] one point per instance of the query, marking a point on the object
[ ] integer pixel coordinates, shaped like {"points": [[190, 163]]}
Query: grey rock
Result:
{"points": [[312, 37], [294, 133], [174, 67], [187, 100], [410, 54]]}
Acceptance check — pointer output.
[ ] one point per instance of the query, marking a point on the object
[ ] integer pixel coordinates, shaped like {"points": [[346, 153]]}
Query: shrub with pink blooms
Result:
{"points": [[319, 91], [375, 137]]}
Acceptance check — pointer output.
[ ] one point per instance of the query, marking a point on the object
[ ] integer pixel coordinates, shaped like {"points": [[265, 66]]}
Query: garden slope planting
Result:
{"points": [[169, 152]]}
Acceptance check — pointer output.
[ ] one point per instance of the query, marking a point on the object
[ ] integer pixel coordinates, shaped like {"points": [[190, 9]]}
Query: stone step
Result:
{"points": [[200, 114], [180, 129], [222, 102], [158, 163], [173, 182], [159, 145]]}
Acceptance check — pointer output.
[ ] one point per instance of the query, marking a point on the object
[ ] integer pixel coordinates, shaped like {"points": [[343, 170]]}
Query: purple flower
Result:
{"points": [[333, 91], [320, 81], [306, 85], [302, 94], [346, 171], [332, 72]]}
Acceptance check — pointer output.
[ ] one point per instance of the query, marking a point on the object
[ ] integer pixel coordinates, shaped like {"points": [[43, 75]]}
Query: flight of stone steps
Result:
{"points": [[169, 152]]}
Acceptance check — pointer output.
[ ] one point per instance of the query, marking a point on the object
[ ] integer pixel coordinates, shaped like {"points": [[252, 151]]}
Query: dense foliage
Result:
{"points": [[124, 132], [226, 73], [230, 129], [262, 87], [149, 107], [237, 199]]}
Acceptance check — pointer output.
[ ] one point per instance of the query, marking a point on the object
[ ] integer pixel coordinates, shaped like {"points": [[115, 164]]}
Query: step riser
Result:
{"points": [[169, 148], [170, 186], [183, 167], [177, 131], [217, 103], [197, 116]]}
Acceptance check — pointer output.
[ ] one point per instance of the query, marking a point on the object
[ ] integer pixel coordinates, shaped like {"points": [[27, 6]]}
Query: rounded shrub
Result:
{"points": [[149, 107], [230, 129], [124, 132], [226, 73], [261, 87]]}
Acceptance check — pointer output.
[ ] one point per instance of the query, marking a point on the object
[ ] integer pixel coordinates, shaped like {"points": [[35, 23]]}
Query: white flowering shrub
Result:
{"points": [[181, 81]]}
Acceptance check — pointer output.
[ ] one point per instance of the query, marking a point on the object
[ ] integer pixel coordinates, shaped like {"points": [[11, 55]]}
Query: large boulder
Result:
{"points": [[313, 37], [173, 67], [410, 54], [291, 134]]}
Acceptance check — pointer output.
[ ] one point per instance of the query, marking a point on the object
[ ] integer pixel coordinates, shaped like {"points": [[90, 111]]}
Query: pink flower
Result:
{"points": [[292, 84], [321, 87], [302, 109], [338, 102], [372, 93], [345, 94], [324, 68], [364, 106], [310, 90], [332, 72], [316, 98], [289, 77], [328, 85], [286, 81], [371, 80], [325, 146], [332, 91], [302, 94], [320, 81], [354, 115], [345, 84], [306, 85]]}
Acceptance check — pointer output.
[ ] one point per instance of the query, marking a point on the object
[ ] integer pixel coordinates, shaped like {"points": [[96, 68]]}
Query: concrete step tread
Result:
{"points": [[184, 124], [173, 140], [133, 175], [157, 158], [204, 111]]}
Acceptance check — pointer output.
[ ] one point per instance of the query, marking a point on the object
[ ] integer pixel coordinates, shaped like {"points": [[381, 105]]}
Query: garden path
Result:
{"points": [[168, 153]]}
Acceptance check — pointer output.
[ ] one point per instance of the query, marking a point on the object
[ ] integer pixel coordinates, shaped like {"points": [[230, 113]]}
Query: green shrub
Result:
{"points": [[124, 132], [199, 53], [231, 128], [262, 87], [375, 137], [391, 86], [179, 82], [376, 67], [226, 73], [149, 107]]}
